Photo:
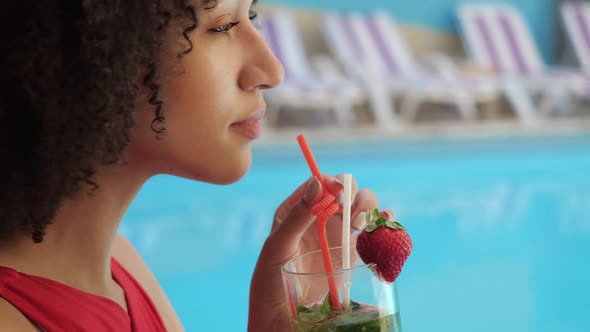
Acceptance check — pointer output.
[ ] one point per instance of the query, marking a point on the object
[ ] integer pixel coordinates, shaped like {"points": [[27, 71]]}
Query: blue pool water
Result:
{"points": [[501, 231]]}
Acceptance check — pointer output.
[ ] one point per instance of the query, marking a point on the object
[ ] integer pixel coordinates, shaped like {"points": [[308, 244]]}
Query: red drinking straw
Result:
{"points": [[321, 224], [313, 166]]}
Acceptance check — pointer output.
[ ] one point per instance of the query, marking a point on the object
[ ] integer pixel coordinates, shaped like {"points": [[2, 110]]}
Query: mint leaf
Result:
{"points": [[302, 309], [298, 326], [311, 317], [326, 307]]}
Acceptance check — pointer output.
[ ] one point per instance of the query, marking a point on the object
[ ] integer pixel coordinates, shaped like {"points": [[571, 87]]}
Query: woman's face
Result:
{"points": [[212, 98]]}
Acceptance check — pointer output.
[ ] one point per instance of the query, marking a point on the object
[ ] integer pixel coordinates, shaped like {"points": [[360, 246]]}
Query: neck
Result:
{"points": [[78, 245]]}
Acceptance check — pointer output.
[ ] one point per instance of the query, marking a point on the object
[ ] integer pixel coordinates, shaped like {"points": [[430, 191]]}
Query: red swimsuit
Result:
{"points": [[54, 307]]}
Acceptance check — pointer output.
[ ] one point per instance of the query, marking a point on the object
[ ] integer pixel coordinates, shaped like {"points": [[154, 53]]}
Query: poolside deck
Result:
{"points": [[429, 126], [494, 119]]}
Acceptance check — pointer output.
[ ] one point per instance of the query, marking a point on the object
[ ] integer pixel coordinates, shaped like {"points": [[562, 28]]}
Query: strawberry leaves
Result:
{"points": [[375, 220]]}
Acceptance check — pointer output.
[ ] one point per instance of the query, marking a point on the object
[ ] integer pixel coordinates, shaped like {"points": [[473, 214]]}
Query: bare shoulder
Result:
{"points": [[129, 258], [13, 320]]}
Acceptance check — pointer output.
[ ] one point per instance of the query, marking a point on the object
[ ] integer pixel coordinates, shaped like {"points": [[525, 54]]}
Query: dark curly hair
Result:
{"points": [[69, 89]]}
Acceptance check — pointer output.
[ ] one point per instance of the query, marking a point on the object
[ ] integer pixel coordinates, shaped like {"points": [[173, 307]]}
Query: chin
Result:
{"points": [[229, 177], [226, 173]]}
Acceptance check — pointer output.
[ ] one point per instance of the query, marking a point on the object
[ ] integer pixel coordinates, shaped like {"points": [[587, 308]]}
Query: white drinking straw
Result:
{"points": [[346, 237]]}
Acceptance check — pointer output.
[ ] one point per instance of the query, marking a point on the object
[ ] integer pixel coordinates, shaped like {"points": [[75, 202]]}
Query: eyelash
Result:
{"points": [[230, 25]]}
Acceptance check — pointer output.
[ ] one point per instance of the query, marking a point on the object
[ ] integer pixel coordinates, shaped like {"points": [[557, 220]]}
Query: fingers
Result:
{"points": [[285, 207], [359, 222], [331, 183], [293, 219], [340, 178], [388, 214], [365, 200]]}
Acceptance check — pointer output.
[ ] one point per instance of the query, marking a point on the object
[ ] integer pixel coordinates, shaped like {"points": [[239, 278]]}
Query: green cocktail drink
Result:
{"points": [[374, 306], [361, 317]]}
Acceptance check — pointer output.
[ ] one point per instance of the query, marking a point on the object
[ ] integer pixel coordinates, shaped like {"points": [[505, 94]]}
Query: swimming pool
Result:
{"points": [[501, 230]]}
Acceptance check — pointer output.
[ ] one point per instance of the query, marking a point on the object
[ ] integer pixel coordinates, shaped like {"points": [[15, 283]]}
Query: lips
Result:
{"points": [[252, 126]]}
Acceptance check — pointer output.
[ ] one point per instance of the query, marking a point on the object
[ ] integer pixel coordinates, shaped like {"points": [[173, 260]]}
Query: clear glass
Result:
{"points": [[374, 303]]}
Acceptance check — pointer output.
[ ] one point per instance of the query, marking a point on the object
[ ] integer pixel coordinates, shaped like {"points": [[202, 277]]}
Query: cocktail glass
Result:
{"points": [[373, 305]]}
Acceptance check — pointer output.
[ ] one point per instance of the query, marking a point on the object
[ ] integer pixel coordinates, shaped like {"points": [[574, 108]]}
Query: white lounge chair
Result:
{"points": [[576, 19], [305, 86], [496, 35], [371, 49]]}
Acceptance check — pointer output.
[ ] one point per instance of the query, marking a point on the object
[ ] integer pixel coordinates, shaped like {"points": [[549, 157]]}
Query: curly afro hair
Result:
{"points": [[69, 89]]}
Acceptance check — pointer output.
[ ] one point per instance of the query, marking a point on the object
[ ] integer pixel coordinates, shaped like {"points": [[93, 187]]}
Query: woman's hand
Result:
{"points": [[291, 236]]}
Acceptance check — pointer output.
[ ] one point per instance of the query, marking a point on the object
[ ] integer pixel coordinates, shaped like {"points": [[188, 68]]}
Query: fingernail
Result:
{"points": [[387, 214], [339, 184], [359, 222], [312, 190]]}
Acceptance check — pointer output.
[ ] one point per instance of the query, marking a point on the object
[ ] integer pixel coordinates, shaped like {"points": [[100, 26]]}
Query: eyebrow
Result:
{"points": [[212, 4], [208, 4]]}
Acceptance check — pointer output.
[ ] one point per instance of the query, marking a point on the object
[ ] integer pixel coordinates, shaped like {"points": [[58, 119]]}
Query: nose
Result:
{"points": [[263, 70]]}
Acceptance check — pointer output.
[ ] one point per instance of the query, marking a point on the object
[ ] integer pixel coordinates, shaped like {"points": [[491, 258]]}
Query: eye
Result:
{"points": [[225, 28], [252, 15]]}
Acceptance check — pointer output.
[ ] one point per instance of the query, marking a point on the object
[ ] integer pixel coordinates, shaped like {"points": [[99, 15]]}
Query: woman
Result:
{"points": [[98, 97]]}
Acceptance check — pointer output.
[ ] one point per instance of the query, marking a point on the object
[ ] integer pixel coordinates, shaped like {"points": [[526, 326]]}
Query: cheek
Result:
{"points": [[202, 92], [196, 110], [199, 105]]}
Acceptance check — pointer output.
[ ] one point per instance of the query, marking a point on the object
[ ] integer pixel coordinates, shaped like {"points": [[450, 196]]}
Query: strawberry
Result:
{"points": [[384, 243]]}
